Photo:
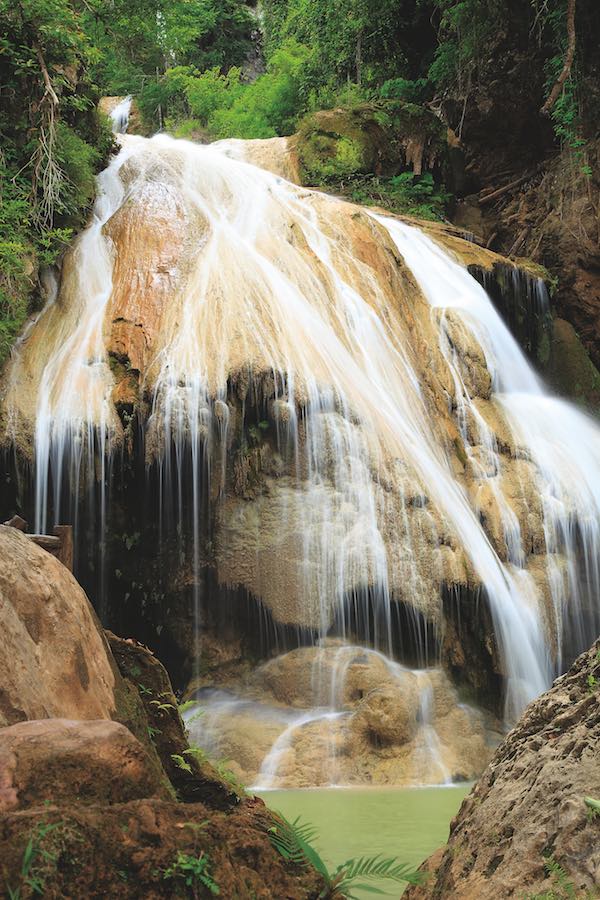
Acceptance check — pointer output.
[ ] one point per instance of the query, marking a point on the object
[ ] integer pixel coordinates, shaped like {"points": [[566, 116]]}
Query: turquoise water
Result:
{"points": [[409, 823]]}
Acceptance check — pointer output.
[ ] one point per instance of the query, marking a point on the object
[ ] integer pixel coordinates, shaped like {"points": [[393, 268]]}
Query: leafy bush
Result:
{"points": [[417, 91], [224, 105], [78, 162], [412, 195]]}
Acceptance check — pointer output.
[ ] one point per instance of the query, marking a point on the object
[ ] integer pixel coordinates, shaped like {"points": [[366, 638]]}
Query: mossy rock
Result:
{"points": [[381, 138], [570, 370], [151, 713]]}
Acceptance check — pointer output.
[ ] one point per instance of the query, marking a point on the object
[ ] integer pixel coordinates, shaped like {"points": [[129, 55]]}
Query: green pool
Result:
{"points": [[409, 823]]}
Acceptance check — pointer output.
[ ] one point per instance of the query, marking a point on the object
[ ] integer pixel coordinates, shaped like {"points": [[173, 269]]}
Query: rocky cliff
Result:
{"points": [[526, 830]]}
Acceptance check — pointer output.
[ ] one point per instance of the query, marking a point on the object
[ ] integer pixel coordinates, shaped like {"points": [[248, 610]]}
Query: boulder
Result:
{"points": [[526, 829], [59, 759], [148, 848], [388, 716], [54, 660], [381, 138]]}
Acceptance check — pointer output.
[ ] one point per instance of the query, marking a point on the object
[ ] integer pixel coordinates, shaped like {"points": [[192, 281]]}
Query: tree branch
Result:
{"points": [[47, 80], [569, 57]]}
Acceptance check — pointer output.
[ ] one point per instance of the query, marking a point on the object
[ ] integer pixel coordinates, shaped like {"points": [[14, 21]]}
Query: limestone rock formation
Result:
{"points": [[527, 813], [338, 714], [54, 660]]}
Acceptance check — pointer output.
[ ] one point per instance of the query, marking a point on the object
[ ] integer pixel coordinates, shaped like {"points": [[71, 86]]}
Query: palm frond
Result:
{"points": [[376, 867], [293, 840]]}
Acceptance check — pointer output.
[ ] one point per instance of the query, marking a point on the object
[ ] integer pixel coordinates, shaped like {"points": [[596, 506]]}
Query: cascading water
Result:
{"points": [[119, 116], [334, 418]]}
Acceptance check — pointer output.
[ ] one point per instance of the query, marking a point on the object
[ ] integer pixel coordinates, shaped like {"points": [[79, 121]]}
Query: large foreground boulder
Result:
{"points": [[151, 849], [54, 760], [59, 759], [525, 830], [54, 660], [83, 814]]}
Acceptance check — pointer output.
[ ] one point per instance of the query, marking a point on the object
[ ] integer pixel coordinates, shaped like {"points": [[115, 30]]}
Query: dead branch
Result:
{"points": [[495, 195], [50, 92], [569, 57], [519, 241]]}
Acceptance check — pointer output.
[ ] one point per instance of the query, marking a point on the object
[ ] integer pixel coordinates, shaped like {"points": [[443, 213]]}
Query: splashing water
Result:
{"points": [[410, 446]]}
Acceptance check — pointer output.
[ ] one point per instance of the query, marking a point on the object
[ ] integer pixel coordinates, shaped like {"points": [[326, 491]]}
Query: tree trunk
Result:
{"points": [[569, 57]]}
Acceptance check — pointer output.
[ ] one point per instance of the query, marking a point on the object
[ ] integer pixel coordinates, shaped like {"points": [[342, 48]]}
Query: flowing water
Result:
{"points": [[407, 823], [334, 413]]}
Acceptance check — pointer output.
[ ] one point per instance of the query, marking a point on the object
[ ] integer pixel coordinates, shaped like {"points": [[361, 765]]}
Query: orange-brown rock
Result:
{"points": [[53, 655], [87, 762], [124, 850]]}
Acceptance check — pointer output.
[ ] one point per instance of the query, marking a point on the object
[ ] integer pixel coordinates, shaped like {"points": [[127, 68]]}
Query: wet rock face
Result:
{"points": [[83, 761], [53, 658], [527, 812]]}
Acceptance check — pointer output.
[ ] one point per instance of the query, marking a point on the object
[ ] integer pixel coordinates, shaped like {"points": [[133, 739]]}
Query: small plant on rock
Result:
{"points": [[193, 871]]}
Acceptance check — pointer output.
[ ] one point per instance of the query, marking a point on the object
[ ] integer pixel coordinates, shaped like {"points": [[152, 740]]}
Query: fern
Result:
{"points": [[161, 707], [181, 763], [345, 875], [294, 842]]}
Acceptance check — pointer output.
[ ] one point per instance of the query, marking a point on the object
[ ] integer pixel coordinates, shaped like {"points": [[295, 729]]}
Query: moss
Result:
{"points": [[543, 351], [378, 138], [570, 370]]}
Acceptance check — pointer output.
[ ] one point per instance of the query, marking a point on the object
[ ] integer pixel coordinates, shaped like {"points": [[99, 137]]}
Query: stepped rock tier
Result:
{"points": [[315, 425]]}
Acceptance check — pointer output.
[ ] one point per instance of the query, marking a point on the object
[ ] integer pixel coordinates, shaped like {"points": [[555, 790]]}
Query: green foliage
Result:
{"points": [[222, 105], [566, 112], [364, 42], [563, 889], [593, 807], [412, 91], [32, 874], [412, 195], [53, 142], [464, 33], [193, 871], [294, 842], [139, 39], [181, 763], [184, 707]]}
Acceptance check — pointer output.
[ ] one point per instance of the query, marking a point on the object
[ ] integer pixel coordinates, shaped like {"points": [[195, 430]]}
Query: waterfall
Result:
{"points": [[119, 116], [333, 417]]}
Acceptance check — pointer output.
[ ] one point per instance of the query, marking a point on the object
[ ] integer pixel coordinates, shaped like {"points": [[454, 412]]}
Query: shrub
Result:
{"points": [[418, 91]]}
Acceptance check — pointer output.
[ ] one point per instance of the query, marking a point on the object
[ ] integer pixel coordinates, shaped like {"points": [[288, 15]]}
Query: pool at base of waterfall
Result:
{"points": [[409, 823]]}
